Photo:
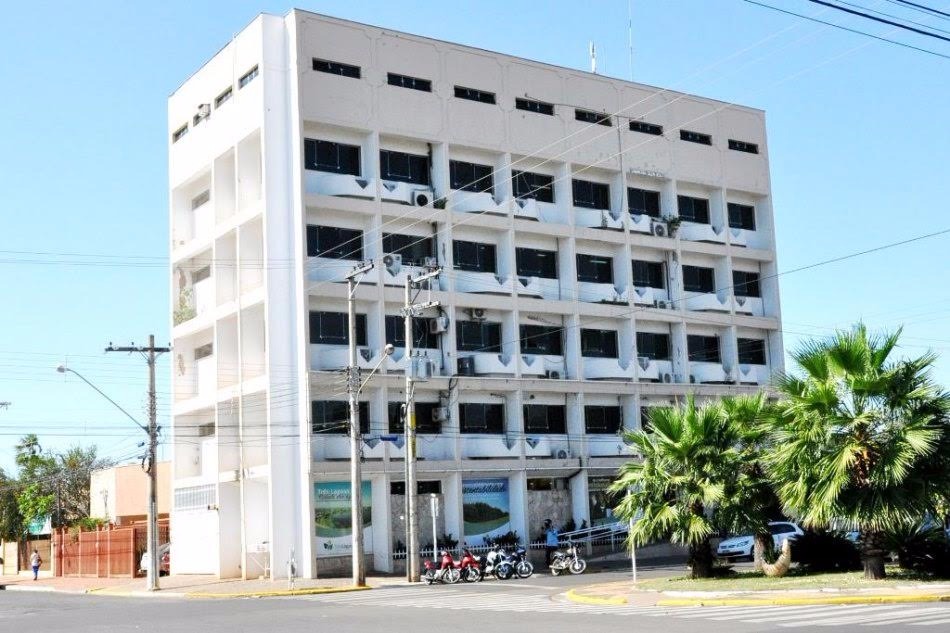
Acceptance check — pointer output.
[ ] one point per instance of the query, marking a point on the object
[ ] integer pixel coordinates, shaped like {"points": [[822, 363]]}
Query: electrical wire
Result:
{"points": [[881, 20]]}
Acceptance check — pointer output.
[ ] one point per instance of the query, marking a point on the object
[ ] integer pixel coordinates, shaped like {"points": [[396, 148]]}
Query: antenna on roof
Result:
{"points": [[630, 35], [593, 58]]}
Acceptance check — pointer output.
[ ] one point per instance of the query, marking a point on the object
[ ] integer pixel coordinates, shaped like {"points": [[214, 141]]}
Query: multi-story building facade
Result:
{"points": [[605, 247]]}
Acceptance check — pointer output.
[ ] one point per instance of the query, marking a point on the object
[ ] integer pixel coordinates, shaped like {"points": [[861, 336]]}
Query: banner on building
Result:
{"points": [[485, 509], [332, 518], [601, 501]]}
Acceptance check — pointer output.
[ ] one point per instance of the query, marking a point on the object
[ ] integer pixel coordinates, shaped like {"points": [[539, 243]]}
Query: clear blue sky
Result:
{"points": [[858, 140]]}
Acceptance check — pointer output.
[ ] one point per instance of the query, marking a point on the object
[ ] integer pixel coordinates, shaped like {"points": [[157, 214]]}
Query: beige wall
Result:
{"points": [[120, 493]]}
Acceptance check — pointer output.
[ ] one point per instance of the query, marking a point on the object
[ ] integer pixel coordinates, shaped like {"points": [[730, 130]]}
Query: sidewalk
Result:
{"points": [[624, 592]]}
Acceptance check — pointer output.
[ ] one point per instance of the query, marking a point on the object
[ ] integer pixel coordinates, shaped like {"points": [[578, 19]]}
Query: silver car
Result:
{"points": [[741, 546]]}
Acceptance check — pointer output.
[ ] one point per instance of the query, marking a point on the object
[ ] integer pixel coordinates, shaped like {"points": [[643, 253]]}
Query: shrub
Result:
{"points": [[508, 540], [824, 550], [922, 549]]}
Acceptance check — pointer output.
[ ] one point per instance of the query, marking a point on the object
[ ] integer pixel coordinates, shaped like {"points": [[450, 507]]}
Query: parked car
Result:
{"points": [[741, 546], [164, 559]]}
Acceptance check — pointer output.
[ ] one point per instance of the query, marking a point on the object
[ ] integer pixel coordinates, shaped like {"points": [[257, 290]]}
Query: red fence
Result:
{"points": [[108, 551]]}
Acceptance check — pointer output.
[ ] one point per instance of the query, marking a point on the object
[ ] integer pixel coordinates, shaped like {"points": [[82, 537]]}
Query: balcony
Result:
{"points": [[656, 370], [406, 193], [397, 273], [710, 302], [527, 209], [475, 202], [432, 447], [643, 223], [606, 446], [340, 185], [337, 357], [325, 446], [608, 369], [738, 237], [400, 362], [547, 446], [750, 305], [475, 282], [592, 292], [711, 373], [538, 287], [330, 269], [543, 366], [476, 446], [597, 219], [647, 296], [202, 222], [754, 374], [487, 364], [206, 376], [701, 233]]}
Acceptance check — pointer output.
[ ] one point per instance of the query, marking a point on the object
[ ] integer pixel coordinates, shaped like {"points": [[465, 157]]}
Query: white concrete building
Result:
{"points": [[606, 247]]}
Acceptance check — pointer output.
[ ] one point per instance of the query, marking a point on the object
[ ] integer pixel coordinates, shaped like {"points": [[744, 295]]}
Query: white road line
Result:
{"points": [[895, 617], [817, 614], [930, 622]]}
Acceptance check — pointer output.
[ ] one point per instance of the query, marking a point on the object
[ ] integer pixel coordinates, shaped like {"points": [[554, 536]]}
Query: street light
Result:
{"points": [[63, 369]]}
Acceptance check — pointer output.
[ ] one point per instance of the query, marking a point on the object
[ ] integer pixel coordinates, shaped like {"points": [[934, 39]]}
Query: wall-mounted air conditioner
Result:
{"points": [[560, 453], [466, 366], [393, 263], [440, 414], [439, 324], [421, 197], [552, 374]]}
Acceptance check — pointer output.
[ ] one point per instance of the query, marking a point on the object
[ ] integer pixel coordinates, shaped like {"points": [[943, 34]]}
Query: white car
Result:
{"points": [[742, 546], [164, 559]]}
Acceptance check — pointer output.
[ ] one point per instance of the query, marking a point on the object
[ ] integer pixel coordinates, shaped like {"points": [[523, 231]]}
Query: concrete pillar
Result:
{"points": [[382, 524]]}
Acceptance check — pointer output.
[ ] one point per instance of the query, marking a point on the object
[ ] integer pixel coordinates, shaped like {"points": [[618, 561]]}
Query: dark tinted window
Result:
{"points": [[470, 177], [534, 106], [595, 268], [474, 95], [742, 146], [528, 184], [424, 418], [781, 528], [699, 279], [478, 336], [414, 249], [654, 346], [593, 117], [745, 284], [648, 274], [703, 349], [544, 418], [337, 158], [643, 202], [247, 77], [405, 81], [422, 487], [599, 343], [693, 209], [541, 339], [591, 195], [334, 242], [333, 417], [601, 419], [646, 128], [532, 262], [474, 256], [478, 417], [421, 338], [742, 216], [330, 328], [336, 68], [751, 351], [695, 137], [403, 167]]}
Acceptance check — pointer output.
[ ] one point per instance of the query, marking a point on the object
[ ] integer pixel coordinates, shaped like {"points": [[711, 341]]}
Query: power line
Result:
{"points": [[895, 17], [923, 8], [881, 20]]}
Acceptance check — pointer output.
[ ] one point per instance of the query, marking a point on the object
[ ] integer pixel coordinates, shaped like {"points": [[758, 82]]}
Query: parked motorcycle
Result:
{"points": [[569, 560], [514, 563], [469, 567], [448, 572], [491, 563]]}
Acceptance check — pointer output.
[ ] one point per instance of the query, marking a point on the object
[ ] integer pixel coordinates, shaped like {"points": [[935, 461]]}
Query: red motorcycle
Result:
{"points": [[447, 572], [469, 567]]}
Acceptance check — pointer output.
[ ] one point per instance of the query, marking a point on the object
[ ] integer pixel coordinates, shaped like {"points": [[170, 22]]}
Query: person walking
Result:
{"points": [[35, 562], [551, 535]]}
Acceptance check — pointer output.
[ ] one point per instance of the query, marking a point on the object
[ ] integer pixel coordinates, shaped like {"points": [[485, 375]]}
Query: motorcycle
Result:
{"points": [[448, 572], [514, 563], [569, 560], [469, 567], [490, 563]]}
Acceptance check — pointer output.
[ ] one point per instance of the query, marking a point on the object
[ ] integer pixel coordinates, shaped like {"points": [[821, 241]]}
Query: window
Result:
{"points": [[413, 83], [602, 419], [421, 338], [422, 487], [206, 430], [541, 339], [223, 98], [648, 274], [414, 249], [745, 284], [693, 209], [478, 336], [532, 262], [653, 346], [404, 167], [751, 351], [479, 417], [474, 95], [201, 274], [247, 77], [544, 418], [699, 279], [333, 417], [695, 137], [528, 184], [337, 158], [204, 351], [643, 202], [591, 195], [646, 128], [201, 199], [330, 328], [474, 256], [593, 117], [471, 177], [196, 497], [198, 118], [334, 242], [595, 269], [336, 68], [599, 343], [741, 216], [425, 422], [781, 528], [703, 349], [742, 146], [535, 106], [179, 133]]}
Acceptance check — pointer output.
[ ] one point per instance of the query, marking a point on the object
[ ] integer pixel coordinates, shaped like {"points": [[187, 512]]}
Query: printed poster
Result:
{"points": [[332, 518], [485, 509]]}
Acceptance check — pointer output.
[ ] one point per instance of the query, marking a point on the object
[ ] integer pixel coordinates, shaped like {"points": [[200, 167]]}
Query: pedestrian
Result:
{"points": [[35, 562], [550, 540]]}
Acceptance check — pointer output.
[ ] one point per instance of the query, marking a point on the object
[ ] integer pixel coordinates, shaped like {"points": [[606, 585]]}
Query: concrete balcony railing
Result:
{"points": [[695, 232], [645, 296], [597, 218], [431, 447], [710, 302], [340, 185], [406, 193], [738, 237], [608, 369], [331, 269], [336, 357], [656, 370], [606, 445], [750, 305], [531, 209], [400, 362], [488, 446], [475, 282], [641, 223], [396, 275], [336, 446], [491, 364], [702, 372], [543, 366], [592, 292], [206, 375], [547, 446], [538, 287], [754, 374], [475, 202]]}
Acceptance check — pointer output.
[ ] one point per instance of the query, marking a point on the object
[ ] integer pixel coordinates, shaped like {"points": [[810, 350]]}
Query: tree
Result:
{"points": [[675, 486], [11, 521], [73, 469], [853, 435]]}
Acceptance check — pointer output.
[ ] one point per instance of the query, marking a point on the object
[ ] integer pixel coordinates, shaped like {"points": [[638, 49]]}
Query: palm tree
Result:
{"points": [[852, 436], [673, 488]]}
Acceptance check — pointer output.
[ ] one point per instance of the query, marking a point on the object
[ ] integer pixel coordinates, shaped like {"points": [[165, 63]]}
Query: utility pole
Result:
{"points": [[151, 354], [412, 532]]}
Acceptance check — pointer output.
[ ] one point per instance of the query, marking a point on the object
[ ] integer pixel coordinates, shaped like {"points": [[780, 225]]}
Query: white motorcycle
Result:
{"points": [[568, 560]]}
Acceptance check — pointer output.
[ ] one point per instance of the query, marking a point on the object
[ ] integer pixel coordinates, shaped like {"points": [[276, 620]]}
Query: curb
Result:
{"points": [[831, 600], [614, 601], [137, 593], [276, 594]]}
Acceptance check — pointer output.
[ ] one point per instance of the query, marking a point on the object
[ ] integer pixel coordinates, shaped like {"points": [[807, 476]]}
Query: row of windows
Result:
{"points": [[330, 328], [341, 158], [219, 101]]}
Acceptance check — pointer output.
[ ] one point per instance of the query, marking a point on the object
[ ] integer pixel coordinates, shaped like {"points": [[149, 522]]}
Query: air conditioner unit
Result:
{"points": [[466, 366], [439, 324], [440, 414], [431, 262], [421, 368], [552, 374], [663, 304], [421, 197], [659, 229], [477, 314], [560, 453], [392, 262], [667, 377]]}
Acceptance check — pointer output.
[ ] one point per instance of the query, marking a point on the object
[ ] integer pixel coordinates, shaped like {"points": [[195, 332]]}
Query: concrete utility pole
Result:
{"points": [[412, 532]]}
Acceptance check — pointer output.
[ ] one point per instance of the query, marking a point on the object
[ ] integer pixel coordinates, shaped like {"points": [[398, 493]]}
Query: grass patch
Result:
{"points": [[795, 579]]}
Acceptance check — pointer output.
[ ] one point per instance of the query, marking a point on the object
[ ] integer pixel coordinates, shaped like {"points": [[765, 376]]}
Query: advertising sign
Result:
{"points": [[485, 509], [332, 518]]}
